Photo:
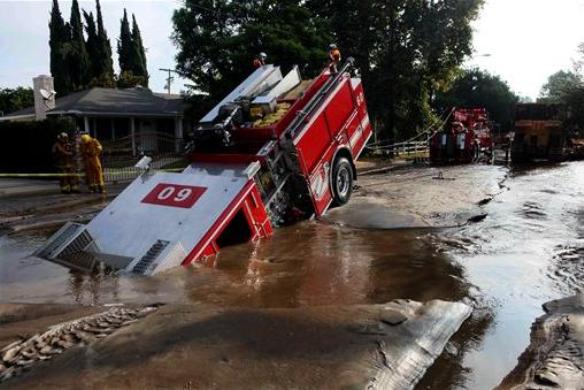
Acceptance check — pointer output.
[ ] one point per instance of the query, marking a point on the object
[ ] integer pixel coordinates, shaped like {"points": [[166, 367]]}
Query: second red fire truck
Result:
{"points": [[466, 138]]}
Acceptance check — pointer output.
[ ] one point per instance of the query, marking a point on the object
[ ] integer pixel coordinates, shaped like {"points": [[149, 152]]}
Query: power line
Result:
{"points": [[169, 79]]}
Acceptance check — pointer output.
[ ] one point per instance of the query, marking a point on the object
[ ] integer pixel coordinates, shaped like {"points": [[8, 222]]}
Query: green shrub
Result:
{"points": [[26, 147]]}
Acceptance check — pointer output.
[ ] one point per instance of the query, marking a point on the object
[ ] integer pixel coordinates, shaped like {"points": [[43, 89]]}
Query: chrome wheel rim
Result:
{"points": [[343, 182]]}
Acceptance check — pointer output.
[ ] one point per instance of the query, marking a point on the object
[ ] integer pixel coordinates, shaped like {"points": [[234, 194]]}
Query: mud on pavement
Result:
{"points": [[367, 346], [411, 198], [522, 248], [26, 353], [555, 357], [38, 211]]}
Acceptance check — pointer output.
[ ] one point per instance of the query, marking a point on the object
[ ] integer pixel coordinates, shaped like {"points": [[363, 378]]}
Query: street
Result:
{"points": [[503, 241]]}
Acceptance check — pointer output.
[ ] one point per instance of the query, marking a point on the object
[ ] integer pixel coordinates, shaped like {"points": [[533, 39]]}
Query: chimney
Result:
{"points": [[44, 96]]}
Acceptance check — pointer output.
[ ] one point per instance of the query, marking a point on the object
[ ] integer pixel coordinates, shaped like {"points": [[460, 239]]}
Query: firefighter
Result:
{"points": [[335, 57], [260, 60], [91, 151], [65, 161]]}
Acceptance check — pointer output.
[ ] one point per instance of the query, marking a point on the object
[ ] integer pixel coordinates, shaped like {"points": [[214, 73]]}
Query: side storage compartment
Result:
{"points": [[341, 121]]}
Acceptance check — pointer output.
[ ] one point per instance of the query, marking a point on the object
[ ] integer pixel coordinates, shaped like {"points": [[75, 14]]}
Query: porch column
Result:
{"points": [[133, 134], [178, 133], [86, 124], [113, 127]]}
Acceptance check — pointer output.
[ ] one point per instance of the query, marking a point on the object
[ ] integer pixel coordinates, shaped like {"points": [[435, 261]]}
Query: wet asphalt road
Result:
{"points": [[528, 250]]}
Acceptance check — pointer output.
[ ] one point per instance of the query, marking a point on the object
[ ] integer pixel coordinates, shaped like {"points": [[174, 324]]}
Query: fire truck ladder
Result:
{"points": [[287, 150]]}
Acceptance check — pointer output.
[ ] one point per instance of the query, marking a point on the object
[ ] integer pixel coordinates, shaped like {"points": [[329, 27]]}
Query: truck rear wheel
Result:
{"points": [[342, 181]]}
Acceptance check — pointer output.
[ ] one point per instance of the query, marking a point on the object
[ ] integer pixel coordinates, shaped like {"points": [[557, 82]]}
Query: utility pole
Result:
{"points": [[169, 79]]}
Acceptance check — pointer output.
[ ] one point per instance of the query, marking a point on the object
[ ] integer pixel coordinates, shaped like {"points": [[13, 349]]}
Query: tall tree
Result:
{"points": [[217, 40], [104, 64], [139, 67], [15, 99], [125, 45], [479, 89], [59, 36], [567, 88], [559, 86], [78, 61], [132, 63], [91, 44], [407, 50]]}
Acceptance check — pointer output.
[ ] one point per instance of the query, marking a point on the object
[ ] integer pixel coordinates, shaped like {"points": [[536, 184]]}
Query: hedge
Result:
{"points": [[26, 147]]}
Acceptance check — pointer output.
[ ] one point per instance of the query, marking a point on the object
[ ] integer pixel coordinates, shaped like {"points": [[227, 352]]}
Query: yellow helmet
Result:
{"points": [[85, 138]]}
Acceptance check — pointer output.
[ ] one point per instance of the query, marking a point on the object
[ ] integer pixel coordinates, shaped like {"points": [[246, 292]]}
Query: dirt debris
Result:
{"points": [[215, 348], [555, 357], [421, 198], [23, 354]]}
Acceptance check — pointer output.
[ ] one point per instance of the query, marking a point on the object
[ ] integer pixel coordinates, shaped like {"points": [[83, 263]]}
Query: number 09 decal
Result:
{"points": [[174, 195]]}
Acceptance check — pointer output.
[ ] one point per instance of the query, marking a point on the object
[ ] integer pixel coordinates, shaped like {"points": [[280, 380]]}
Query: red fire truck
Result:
{"points": [[467, 137], [276, 149]]}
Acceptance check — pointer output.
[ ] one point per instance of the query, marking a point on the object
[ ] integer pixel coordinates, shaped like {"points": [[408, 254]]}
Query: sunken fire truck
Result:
{"points": [[276, 149]]}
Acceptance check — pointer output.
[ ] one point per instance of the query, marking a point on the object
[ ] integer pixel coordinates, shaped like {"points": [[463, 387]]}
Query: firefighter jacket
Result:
{"points": [[63, 154]]}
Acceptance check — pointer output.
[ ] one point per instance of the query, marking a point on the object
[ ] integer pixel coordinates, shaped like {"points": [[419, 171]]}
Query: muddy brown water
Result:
{"points": [[529, 249]]}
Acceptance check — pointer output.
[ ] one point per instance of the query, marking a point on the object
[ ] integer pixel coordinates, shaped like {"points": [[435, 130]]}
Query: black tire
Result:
{"points": [[342, 181], [477, 151]]}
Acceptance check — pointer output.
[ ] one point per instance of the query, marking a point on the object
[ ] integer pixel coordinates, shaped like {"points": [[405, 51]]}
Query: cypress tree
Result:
{"points": [[78, 60], [139, 67], [104, 59], [58, 37], [125, 45], [92, 46]]}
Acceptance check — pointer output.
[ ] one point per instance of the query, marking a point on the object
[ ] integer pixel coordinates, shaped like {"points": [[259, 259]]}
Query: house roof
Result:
{"points": [[135, 101], [23, 112]]}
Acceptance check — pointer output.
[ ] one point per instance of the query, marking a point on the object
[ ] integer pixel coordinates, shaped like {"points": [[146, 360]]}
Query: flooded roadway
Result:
{"points": [[527, 251]]}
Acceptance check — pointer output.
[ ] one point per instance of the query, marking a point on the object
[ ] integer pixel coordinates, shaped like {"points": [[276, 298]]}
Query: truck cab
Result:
{"points": [[539, 132]]}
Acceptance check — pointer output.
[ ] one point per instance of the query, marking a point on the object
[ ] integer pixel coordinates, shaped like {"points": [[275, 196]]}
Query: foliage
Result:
{"points": [[15, 99], [99, 50], [36, 138], [59, 35], [475, 89], [218, 40], [574, 100], [92, 43], [128, 79], [567, 88], [78, 63], [75, 51], [139, 67], [131, 55], [559, 86], [406, 49], [125, 45], [197, 106], [103, 64]]}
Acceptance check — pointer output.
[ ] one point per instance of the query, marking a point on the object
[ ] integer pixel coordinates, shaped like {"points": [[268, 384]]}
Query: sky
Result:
{"points": [[526, 40], [24, 36]]}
